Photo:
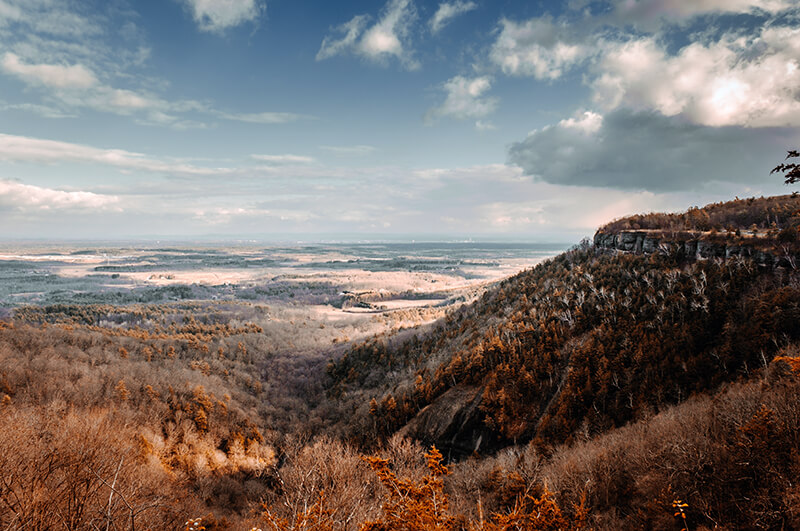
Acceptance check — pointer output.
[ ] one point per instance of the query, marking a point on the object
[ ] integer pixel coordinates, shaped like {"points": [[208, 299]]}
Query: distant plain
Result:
{"points": [[358, 288]]}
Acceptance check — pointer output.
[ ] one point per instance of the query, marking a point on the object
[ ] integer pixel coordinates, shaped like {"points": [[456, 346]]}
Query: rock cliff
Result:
{"points": [[693, 246]]}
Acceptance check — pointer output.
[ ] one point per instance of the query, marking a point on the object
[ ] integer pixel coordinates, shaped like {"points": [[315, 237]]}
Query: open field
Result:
{"points": [[312, 274], [304, 297]]}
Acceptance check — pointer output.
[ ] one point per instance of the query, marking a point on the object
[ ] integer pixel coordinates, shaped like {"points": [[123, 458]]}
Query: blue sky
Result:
{"points": [[503, 119]]}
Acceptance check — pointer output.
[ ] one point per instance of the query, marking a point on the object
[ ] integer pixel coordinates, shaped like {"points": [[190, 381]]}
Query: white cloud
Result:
{"points": [[249, 213], [448, 11], [53, 18], [357, 150], [219, 15], [351, 30], [734, 81], [57, 76], [538, 47], [76, 58], [26, 197], [284, 159], [465, 99], [27, 149], [9, 12], [512, 216], [645, 10], [492, 173], [262, 117], [76, 86], [387, 37], [587, 122], [42, 110]]}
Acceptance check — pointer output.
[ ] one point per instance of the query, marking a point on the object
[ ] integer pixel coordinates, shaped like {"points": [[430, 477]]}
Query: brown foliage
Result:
{"points": [[422, 504], [743, 214], [577, 346], [413, 506], [80, 471]]}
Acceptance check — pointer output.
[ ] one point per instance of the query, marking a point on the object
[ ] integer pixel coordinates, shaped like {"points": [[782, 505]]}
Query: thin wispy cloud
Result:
{"points": [[448, 11], [627, 11], [262, 117], [57, 76], [26, 149], [357, 150], [465, 99], [284, 159], [75, 61]]}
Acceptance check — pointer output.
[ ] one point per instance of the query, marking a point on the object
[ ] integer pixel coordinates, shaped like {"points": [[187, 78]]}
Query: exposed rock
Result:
{"points": [[689, 245], [452, 422]]}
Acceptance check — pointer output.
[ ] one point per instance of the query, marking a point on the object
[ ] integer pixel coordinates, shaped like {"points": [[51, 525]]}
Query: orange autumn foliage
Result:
{"points": [[538, 514], [423, 505], [314, 518], [413, 506]]}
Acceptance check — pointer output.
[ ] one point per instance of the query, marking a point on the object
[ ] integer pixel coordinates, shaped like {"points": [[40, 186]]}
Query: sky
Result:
{"points": [[501, 119]]}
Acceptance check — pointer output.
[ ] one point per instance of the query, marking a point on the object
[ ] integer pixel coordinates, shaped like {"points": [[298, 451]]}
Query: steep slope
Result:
{"points": [[583, 343]]}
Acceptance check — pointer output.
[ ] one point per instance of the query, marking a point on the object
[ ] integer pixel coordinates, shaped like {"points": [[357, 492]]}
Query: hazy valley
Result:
{"points": [[243, 385]]}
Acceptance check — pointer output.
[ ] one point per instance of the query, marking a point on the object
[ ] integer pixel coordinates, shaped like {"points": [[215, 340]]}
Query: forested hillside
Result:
{"points": [[579, 345], [601, 389], [752, 213], [593, 339]]}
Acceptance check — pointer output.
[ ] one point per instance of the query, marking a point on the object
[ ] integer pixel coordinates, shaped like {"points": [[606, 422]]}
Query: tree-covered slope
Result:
{"points": [[585, 342]]}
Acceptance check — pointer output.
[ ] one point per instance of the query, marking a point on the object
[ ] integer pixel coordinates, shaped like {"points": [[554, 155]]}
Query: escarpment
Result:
{"points": [[699, 246]]}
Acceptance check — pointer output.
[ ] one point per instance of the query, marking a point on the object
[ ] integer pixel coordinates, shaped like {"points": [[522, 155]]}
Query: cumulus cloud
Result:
{"points": [[465, 99], [734, 81], [647, 151], [21, 196], [674, 111], [448, 11], [539, 47], [388, 37], [219, 15]]}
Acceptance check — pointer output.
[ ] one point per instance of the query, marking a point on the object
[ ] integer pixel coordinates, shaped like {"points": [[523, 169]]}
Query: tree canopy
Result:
{"points": [[791, 171]]}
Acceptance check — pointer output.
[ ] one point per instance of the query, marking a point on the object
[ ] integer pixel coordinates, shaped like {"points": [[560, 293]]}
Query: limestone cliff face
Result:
{"points": [[688, 245]]}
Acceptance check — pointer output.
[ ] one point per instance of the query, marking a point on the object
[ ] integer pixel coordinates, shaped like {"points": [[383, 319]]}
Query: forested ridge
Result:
{"points": [[598, 390], [584, 343]]}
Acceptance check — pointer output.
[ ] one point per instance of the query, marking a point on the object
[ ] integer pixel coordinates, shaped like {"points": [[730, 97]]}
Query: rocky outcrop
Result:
{"points": [[689, 245], [453, 422]]}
